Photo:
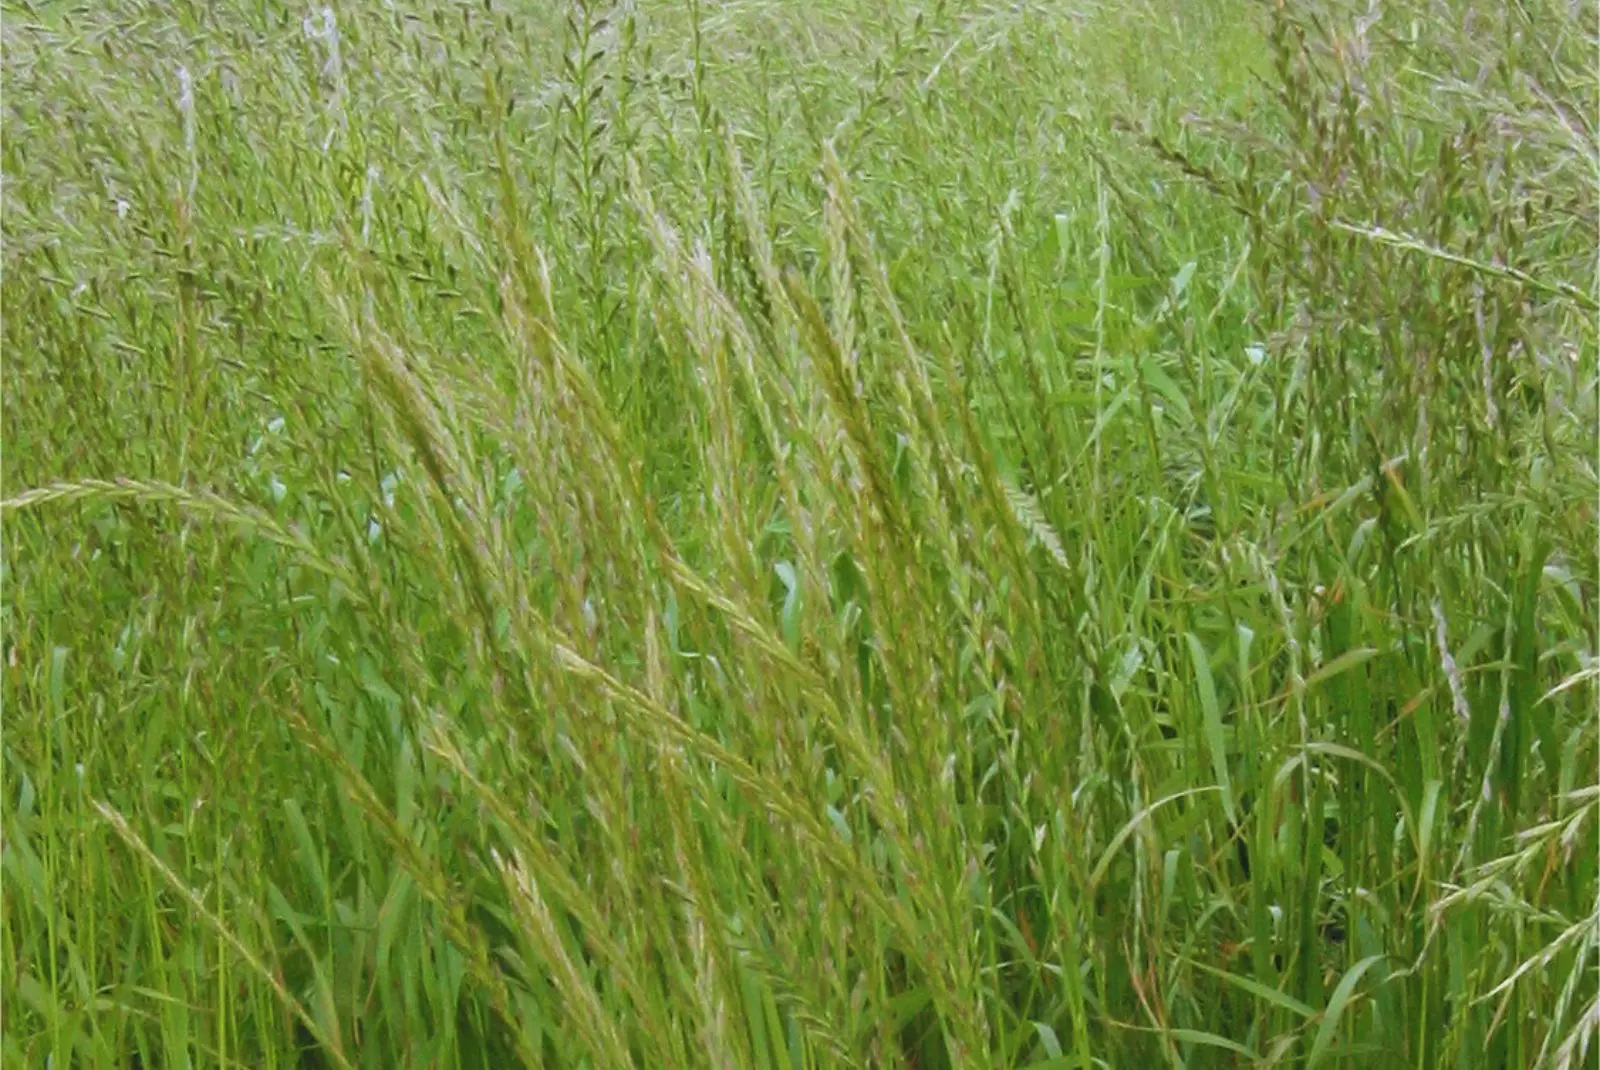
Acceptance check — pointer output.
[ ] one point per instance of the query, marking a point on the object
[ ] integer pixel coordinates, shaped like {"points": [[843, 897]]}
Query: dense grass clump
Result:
{"points": [[674, 534]]}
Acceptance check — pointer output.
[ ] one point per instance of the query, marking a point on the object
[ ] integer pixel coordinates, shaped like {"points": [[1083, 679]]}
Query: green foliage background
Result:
{"points": [[805, 535]]}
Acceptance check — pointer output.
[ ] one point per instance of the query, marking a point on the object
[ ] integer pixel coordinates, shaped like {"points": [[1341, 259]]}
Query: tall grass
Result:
{"points": [[677, 534]]}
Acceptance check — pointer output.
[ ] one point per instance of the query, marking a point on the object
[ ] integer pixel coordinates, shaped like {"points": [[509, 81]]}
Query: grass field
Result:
{"points": [[809, 535]]}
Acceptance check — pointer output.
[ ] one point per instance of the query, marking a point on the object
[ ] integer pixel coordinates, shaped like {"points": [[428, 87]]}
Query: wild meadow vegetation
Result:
{"points": [[807, 535]]}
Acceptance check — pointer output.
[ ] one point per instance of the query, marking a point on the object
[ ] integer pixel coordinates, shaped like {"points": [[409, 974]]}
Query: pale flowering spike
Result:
{"points": [[186, 108]]}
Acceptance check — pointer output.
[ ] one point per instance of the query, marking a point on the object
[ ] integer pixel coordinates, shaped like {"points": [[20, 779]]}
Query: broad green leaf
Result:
{"points": [[1196, 1036], [1335, 1009], [1256, 988], [1128, 829], [1215, 740], [1343, 663], [1048, 1038]]}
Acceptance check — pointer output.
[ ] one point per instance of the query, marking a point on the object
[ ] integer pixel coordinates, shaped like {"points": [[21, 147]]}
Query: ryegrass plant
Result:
{"points": [[757, 535]]}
